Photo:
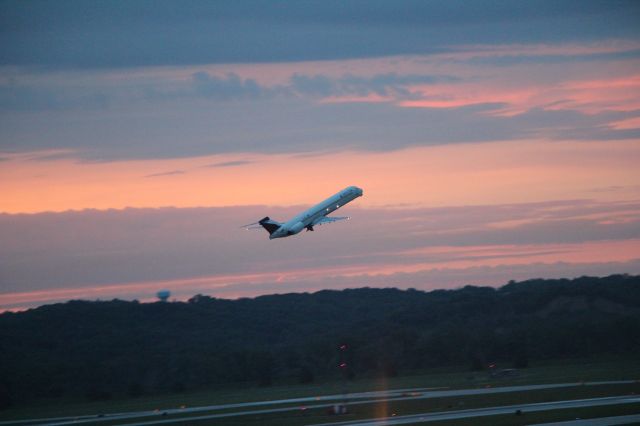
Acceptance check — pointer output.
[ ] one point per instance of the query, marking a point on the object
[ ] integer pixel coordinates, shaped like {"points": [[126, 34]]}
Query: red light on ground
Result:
{"points": [[343, 347], [343, 365]]}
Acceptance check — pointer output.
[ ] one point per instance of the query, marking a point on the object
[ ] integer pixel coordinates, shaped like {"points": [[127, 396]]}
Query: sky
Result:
{"points": [[494, 140]]}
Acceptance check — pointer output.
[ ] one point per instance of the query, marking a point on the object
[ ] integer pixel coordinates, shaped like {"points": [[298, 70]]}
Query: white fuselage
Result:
{"points": [[309, 217]]}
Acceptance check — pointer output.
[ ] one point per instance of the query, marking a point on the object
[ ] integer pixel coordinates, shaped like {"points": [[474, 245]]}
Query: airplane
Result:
{"points": [[316, 215]]}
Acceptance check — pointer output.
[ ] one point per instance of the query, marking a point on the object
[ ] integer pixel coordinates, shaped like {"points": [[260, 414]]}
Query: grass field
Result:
{"points": [[552, 372]]}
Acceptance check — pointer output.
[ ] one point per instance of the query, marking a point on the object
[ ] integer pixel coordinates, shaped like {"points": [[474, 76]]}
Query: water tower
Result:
{"points": [[163, 295]]}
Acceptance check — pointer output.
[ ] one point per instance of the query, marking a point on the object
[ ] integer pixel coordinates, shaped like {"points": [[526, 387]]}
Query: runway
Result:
{"points": [[602, 421], [326, 401], [489, 411]]}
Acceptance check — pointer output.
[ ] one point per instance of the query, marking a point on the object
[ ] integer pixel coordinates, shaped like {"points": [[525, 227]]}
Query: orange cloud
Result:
{"points": [[490, 173], [590, 96], [631, 123], [466, 94], [494, 255]]}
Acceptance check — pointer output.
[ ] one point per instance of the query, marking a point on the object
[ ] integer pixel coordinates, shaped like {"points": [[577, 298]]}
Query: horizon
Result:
{"points": [[170, 298], [493, 142]]}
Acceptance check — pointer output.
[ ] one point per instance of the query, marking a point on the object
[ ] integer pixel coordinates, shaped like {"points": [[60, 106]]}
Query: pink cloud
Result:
{"points": [[436, 276], [631, 123], [589, 96], [492, 173], [134, 253]]}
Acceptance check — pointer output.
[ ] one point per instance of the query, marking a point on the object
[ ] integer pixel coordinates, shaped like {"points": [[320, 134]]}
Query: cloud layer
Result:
{"points": [[470, 95], [524, 115], [206, 250], [148, 33]]}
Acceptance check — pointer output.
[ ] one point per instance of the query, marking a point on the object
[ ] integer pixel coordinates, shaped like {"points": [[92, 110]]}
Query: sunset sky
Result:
{"points": [[493, 140]]}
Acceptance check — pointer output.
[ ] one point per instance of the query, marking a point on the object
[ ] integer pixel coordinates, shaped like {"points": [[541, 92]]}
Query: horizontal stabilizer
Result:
{"points": [[265, 223]]}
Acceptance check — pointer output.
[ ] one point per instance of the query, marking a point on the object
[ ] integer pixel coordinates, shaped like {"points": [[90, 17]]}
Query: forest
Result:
{"points": [[106, 349]]}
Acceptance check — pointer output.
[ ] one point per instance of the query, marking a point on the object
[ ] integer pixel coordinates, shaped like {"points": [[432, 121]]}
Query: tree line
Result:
{"points": [[104, 349]]}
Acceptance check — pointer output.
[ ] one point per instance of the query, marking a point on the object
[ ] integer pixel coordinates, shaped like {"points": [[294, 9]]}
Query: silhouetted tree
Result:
{"points": [[101, 350]]}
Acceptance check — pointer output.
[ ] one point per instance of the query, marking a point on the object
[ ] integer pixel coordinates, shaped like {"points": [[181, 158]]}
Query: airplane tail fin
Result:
{"points": [[270, 225]]}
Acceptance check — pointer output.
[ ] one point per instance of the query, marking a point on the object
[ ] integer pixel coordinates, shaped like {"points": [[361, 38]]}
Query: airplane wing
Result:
{"points": [[324, 220]]}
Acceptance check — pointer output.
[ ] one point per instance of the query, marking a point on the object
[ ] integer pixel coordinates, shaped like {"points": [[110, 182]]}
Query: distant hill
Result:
{"points": [[103, 349]]}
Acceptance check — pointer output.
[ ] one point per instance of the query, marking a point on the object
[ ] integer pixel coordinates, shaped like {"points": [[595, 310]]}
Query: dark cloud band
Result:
{"points": [[79, 34]]}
